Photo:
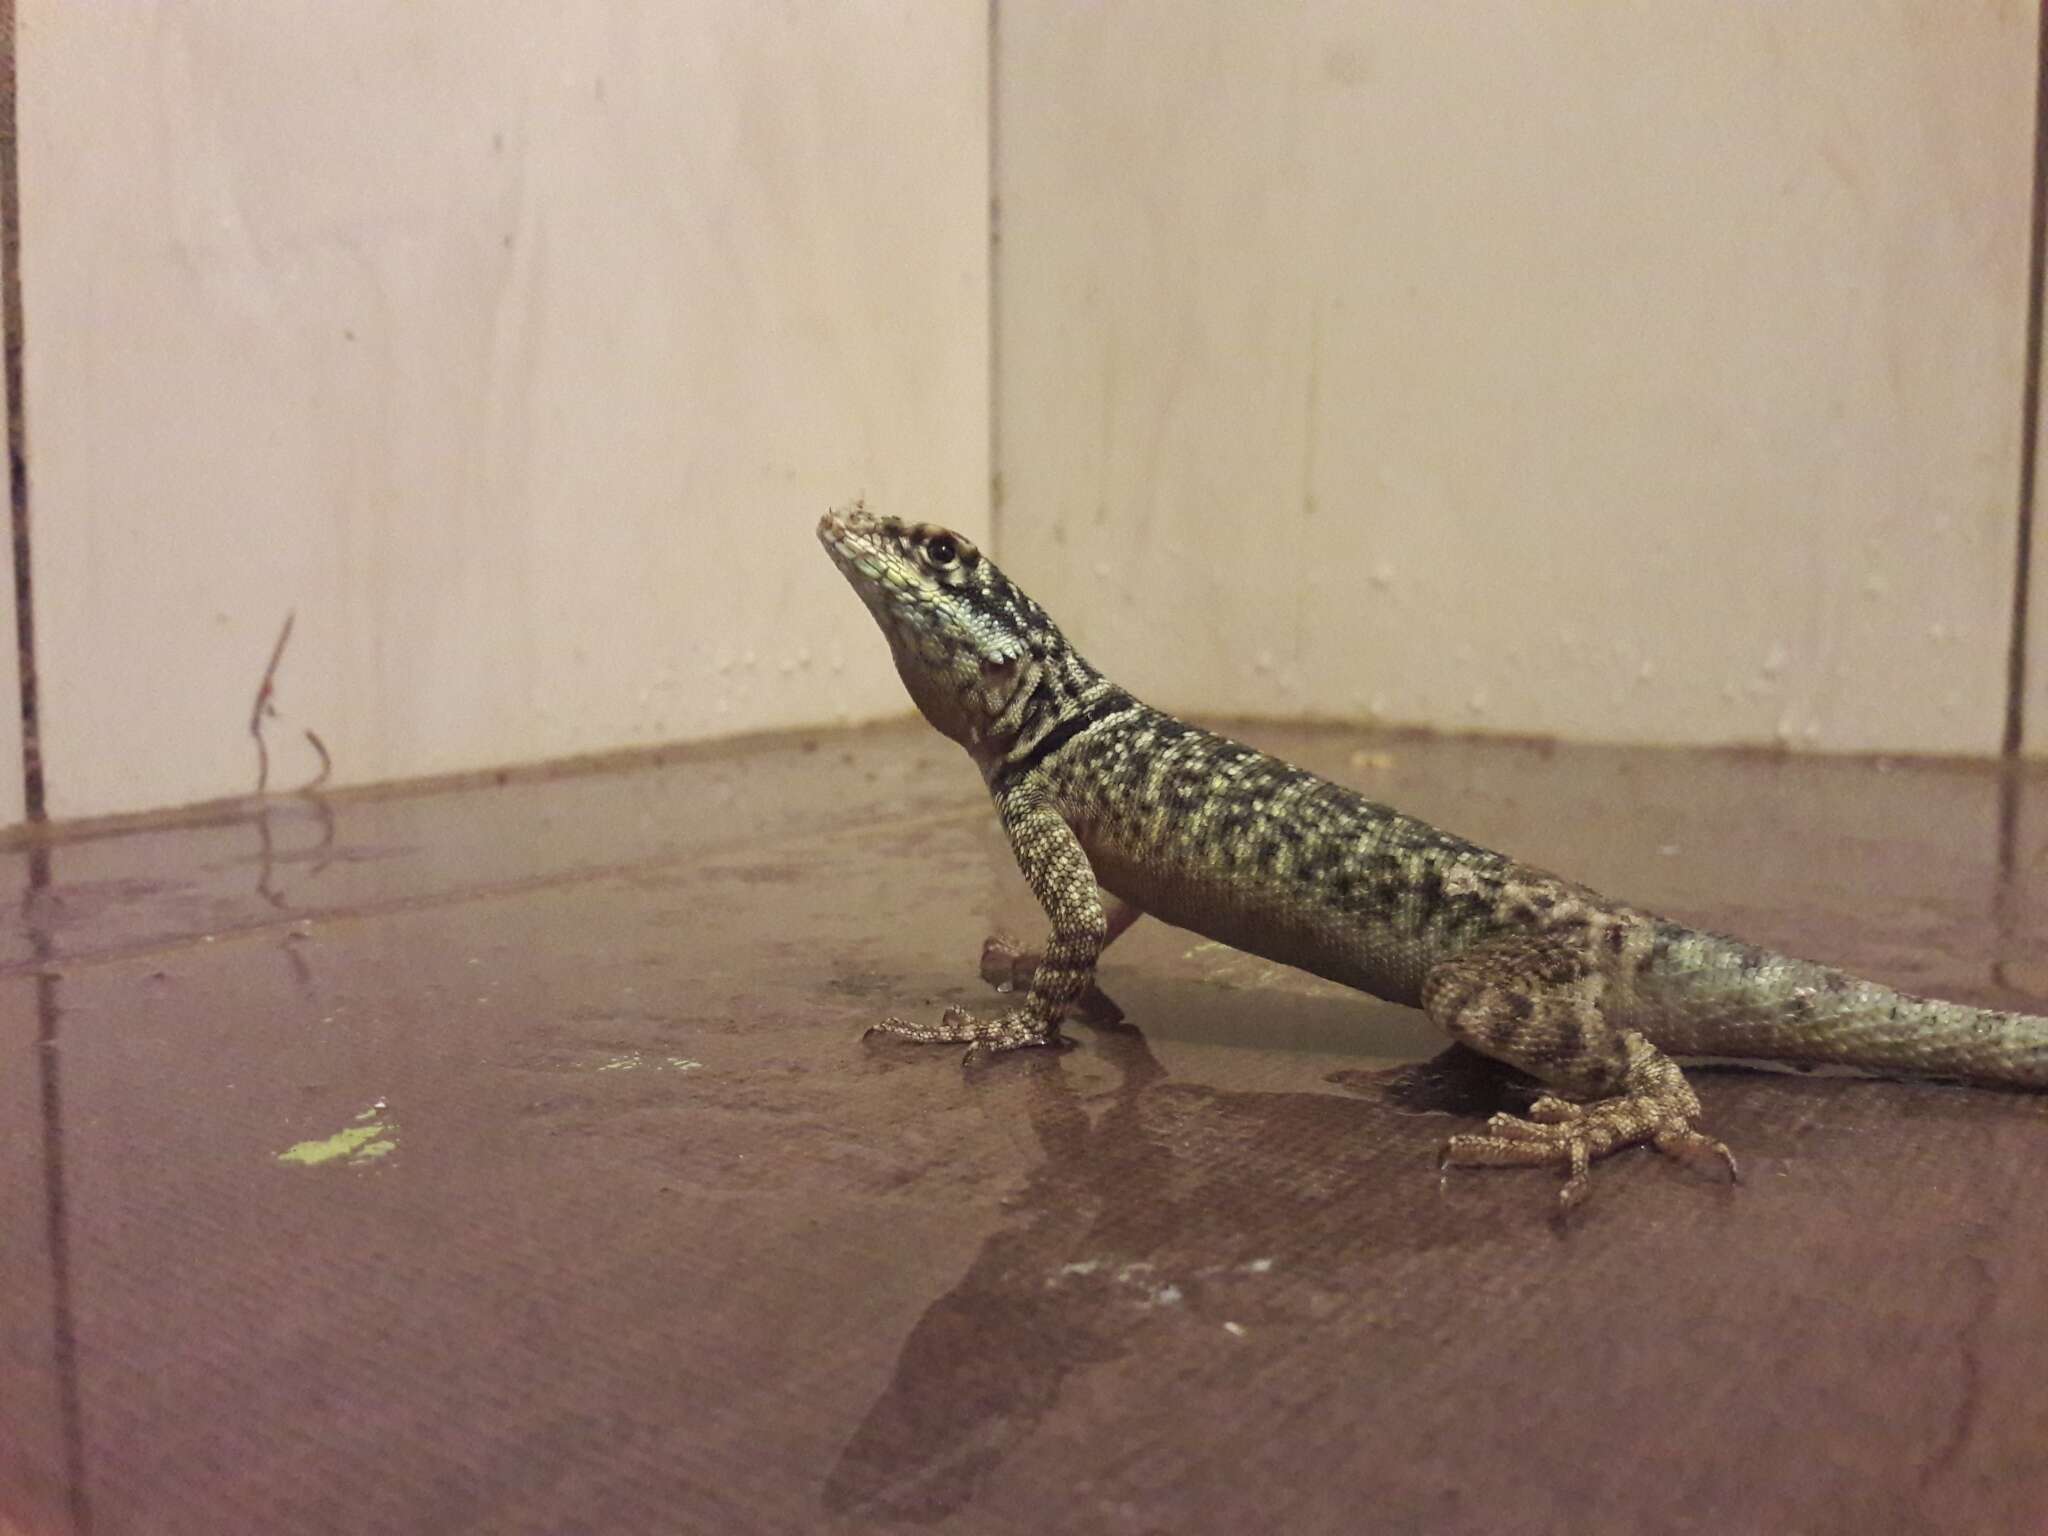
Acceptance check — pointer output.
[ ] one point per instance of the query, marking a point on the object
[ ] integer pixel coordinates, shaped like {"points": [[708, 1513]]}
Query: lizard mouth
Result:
{"points": [[844, 520], [850, 538], [848, 533]]}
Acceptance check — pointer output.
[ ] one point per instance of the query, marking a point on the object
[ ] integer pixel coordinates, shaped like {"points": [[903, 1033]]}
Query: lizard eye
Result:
{"points": [[941, 551]]}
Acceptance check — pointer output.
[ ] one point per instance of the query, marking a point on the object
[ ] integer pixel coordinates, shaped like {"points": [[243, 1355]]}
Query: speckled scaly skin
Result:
{"points": [[1115, 809]]}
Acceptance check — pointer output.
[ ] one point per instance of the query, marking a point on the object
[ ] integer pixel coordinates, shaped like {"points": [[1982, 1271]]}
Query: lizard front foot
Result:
{"points": [[1659, 1109], [1006, 1032]]}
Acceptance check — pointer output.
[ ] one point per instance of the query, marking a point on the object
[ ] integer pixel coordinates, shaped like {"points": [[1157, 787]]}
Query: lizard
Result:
{"points": [[1115, 809]]}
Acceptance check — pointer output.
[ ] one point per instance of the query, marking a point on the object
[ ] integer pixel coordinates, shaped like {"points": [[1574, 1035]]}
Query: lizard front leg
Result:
{"points": [[1060, 876], [1536, 1004]]}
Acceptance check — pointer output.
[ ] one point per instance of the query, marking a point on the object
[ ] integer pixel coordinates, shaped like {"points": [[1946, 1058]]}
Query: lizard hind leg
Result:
{"points": [[1535, 1004], [1009, 967]]}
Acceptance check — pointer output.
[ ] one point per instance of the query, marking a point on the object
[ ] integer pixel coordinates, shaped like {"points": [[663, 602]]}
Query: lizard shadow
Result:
{"points": [[1163, 1218]]}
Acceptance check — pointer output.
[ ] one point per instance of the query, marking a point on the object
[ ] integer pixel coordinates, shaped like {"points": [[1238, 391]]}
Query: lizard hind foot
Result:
{"points": [[1006, 964], [1558, 1132], [1009, 967]]}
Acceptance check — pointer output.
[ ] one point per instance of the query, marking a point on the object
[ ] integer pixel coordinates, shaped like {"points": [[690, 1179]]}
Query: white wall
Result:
{"points": [[516, 347], [1648, 373], [1643, 373]]}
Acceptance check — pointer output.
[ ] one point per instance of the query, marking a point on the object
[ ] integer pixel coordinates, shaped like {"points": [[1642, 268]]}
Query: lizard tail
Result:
{"points": [[1730, 1000]]}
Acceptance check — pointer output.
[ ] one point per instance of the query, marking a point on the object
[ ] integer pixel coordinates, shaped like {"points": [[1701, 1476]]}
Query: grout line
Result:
{"points": [[56, 1219], [17, 416], [57, 1238], [56, 1209], [995, 240], [2030, 407]]}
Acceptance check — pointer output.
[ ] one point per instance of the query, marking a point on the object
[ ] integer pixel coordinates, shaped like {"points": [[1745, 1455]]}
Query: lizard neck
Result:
{"points": [[1037, 703]]}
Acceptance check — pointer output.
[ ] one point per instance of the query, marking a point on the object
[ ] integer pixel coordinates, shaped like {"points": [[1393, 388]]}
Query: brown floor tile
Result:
{"points": [[625, 1230]]}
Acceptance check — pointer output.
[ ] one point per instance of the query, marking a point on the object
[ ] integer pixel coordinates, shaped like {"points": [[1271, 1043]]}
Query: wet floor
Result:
{"points": [[507, 1159]]}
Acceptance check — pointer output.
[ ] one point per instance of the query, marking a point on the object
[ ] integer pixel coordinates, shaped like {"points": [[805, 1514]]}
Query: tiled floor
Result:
{"points": [[507, 1159]]}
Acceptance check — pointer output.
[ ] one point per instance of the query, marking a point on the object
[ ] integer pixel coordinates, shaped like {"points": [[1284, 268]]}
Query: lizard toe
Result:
{"points": [[1551, 1110], [1529, 1146], [1005, 964], [1507, 1127], [955, 1026], [1697, 1151]]}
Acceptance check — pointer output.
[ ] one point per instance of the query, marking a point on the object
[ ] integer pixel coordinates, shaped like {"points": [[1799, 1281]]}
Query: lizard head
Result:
{"points": [[961, 633]]}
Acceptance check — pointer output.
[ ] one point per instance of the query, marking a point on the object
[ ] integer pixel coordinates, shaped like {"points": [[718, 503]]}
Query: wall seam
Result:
{"points": [[2030, 408], [993, 338], [17, 417]]}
